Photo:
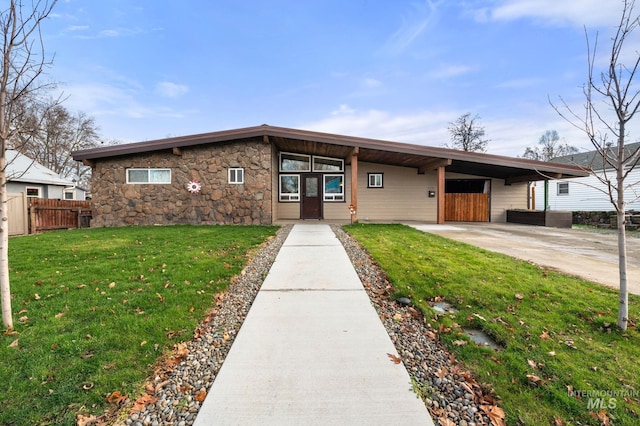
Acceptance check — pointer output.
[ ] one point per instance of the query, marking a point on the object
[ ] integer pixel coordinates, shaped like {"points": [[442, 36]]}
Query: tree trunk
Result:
{"points": [[5, 289], [623, 311]]}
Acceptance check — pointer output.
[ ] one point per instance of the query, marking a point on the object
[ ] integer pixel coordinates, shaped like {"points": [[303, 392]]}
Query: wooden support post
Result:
{"points": [[440, 195], [354, 185]]}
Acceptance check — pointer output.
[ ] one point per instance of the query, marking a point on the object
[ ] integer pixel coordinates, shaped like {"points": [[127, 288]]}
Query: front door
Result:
{"points": [[311, 197]]}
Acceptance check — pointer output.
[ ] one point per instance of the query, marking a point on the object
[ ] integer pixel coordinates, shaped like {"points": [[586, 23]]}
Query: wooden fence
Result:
{"points": [[47, 214], [466, 207], [17, 210]]}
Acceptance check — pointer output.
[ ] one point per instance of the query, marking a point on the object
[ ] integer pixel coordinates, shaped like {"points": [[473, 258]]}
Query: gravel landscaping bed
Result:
{"points": [[175, 393]]}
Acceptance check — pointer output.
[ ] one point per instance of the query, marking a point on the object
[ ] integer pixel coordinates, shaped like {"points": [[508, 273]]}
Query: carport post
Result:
{"points": [[440, 195], [546, 194]]}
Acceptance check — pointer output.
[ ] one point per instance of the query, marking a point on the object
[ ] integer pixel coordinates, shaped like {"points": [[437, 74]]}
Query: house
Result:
{"points": [[588, 194], [25, 175], [266, 174]]}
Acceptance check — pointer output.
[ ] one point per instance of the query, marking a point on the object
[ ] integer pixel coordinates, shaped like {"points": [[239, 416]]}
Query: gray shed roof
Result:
{"points": [[21, 168], [593, 159]]}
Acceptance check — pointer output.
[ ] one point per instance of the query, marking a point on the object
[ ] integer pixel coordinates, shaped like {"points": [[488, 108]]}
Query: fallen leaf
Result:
{"points": [[495, 414], [116, 397], [558, 421], [60, 315], [532, 363], [36, 296], [552, 353], [200, 396], [23, 319], [144, 342], [396, 359], [80, 286], [441, 373], [160, 298], [533, 378], [88, 386], [444, 421], [14, 344], [397, 317], [86, 420], [142, 401], [459, 342], [519, 296], [544, 335], [112, 285]]}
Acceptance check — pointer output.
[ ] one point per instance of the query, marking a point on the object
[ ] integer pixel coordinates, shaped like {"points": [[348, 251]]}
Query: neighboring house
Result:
{"points": [[266, 174], [588, 193], [25, 175]]}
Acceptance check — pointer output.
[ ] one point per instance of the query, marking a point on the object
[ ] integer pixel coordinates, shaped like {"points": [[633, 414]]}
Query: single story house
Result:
{"points": [[588, 194], [25, 175], [266, 174]]}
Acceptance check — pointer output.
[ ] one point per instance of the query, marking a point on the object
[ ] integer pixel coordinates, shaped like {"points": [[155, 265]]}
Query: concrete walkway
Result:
{"points": [[312, 350]]}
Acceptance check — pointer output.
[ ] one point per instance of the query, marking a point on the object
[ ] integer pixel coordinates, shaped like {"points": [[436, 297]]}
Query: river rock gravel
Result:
{"points": [[176, 391]]}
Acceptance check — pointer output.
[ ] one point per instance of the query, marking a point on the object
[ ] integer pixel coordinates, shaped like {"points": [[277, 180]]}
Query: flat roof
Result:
{"points": [[421, 157]]}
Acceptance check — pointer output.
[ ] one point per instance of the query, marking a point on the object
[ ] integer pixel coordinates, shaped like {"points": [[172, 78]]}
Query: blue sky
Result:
{"points": [[388, 69]]}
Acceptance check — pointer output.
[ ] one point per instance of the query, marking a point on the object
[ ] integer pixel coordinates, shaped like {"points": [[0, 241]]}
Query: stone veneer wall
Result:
{"points": [[116, 203]]}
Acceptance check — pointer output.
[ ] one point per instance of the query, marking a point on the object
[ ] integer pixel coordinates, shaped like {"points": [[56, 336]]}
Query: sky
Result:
{"points": [[398, 70]]}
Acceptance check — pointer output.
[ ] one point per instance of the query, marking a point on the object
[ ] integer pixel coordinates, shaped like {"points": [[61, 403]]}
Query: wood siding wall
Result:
{"points": [[466, 207]]}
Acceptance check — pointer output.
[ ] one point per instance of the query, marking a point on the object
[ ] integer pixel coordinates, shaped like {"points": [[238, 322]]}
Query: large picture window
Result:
{"points": [[323, 164], [155, 176], [294, 162], [333, 187], [289, 187]]}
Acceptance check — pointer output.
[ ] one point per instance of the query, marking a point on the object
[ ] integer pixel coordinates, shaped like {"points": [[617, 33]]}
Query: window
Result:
{"points": [[294, 162], [289, 187], [563, 188], [333, 187], [374, 180], [155, 176], [33, 192], [69, 195], [323, 164], [236, 175]]}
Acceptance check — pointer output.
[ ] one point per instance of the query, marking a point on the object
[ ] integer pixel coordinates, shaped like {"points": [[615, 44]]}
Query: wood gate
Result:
{"points": [[466, 207], [17, 212]]}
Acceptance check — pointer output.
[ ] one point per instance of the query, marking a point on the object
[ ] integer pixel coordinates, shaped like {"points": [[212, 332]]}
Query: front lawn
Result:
{"points": [[564, 361], [95, 308]]}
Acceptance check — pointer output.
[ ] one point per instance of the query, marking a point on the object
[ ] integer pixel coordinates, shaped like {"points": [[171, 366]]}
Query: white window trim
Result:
{"points": [[308, 169], [235, 180], [148, 170], [313, 162], [69, 191], [289, 196], [332, 196], [563, 194], [374, 185], [26, 191]]}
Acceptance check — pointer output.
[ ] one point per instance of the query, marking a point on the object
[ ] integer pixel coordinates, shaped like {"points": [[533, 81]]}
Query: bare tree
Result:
{"points": [[612, 101], [23, 61], [549, 147], [467, 134], [50, 133]]}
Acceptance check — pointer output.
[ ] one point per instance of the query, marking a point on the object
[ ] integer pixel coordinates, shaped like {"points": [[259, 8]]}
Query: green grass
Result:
{"points": [[94, 309], [557, 328]]}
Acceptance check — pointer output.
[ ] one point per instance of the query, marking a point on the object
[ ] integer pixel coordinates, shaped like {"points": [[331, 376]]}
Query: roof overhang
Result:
{"points": [[423, 158]]}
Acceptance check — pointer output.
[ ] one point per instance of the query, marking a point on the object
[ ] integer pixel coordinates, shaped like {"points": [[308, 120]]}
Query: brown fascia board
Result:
{"points": [[353, 141]]}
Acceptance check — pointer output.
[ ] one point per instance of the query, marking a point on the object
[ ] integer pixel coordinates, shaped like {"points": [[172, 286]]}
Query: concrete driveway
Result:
{"points": [[588, 254]]}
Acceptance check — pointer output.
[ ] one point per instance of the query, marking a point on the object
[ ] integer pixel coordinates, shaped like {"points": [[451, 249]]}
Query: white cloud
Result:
{"points": [[171, 90], [579, 13], [371, 82], [448, 71], [412, 27]]}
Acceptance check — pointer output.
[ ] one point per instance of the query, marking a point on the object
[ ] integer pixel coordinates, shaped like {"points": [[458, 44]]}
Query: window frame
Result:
{"points": [[69, 191], [563, 192], [307, 156], [319, 170], [36, 188], [332, 196], [370, 175], [148, 170], [235, 180], [291, 197]]}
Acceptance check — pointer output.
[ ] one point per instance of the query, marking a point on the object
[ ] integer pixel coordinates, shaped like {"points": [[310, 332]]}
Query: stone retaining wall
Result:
{"points": [[116, 203], [606, 219]]}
